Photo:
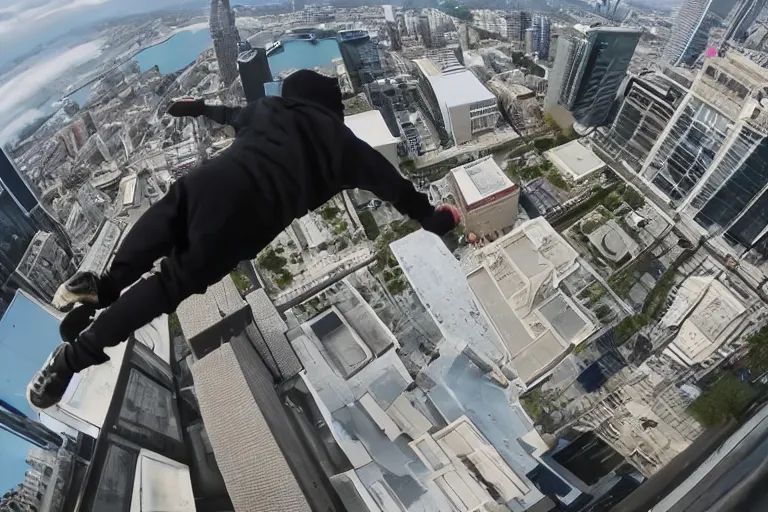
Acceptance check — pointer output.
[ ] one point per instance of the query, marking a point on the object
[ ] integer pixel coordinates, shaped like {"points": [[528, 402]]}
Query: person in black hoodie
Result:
{"points": [[290, 155]]}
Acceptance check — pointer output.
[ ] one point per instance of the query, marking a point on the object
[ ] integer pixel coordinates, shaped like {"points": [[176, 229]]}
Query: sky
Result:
{"points": [[28, 334]]}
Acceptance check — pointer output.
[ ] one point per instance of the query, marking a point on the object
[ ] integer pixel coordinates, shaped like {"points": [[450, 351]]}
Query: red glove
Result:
{"points": [[445, 218]]}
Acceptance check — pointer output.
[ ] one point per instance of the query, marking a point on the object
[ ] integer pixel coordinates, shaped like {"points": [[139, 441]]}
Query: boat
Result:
{"points": [[274, 47]]}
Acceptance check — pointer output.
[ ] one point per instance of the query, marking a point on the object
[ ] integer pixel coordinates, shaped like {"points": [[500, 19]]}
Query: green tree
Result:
{"points": [[633, 198], [727, 398], [625, 329], [272, 261], [757, 358], [329, 212]]}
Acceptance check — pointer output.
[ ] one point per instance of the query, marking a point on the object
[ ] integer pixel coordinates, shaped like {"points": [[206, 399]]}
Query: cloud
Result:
{"points": [[23, 17], [18, 91], [19, 122]]}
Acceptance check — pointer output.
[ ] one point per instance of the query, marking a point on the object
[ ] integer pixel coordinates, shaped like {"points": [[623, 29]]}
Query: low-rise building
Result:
{"points": [[371, 128], [486, 196], [468, 108], [575, 161]]}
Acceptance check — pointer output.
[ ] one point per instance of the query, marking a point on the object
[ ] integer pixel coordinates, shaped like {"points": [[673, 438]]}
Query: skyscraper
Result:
{"points": [[517, 23], [361, 56], [649, 104], [425, 31], [225, 38], [588, 72], [690, 29], [21, 216], [543, 33], [745, 15], [254, 73], [711, 161]]}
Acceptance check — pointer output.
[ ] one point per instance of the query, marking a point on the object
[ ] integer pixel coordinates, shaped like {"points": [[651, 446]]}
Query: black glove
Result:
{"points": [[444, 219], [187, 108]]}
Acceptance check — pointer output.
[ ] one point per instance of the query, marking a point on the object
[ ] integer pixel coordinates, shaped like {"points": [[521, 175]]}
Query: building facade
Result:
{"points": [[517, 23], [486, 197], [225, 38], [542, 25], [743, 18], [361, 56], [589, 71], [690, 31], [44, 266], [648, 105]]}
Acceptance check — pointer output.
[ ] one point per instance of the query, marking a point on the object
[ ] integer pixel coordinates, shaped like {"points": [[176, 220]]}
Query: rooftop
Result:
{"points": [[575, 160], [459, 88], [481, 179], [371, 128], [517, 285]]}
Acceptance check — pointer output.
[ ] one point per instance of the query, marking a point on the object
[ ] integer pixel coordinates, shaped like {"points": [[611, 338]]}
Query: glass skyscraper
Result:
{"points": [[744, 17], [598, 66], [690, 29]]}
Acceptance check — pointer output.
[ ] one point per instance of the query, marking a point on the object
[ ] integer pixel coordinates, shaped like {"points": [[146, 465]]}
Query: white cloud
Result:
{"points": [[9, 130], [24, 17], [18, 91]]}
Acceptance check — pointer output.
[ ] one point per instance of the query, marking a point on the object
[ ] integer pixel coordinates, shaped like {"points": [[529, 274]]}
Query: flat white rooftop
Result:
{"points": [[459, 88], [371, 128], [481, 179], [575, 160]]}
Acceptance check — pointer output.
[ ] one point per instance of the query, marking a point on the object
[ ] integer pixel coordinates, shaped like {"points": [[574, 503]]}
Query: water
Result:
{"points": [[177, 52], [303, 54], [180, 50]]}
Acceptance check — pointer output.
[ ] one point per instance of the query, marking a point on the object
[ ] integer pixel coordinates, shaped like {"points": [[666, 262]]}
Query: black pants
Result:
{"points": [[203, 227]]}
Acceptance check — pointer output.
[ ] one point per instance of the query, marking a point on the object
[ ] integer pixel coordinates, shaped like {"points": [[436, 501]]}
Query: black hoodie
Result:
{"points": [[300, 154]]}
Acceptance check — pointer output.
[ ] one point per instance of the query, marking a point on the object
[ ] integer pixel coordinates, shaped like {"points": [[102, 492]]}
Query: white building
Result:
{"points": [[575, 160], [486, 196], [371, 128], [467, 107]]}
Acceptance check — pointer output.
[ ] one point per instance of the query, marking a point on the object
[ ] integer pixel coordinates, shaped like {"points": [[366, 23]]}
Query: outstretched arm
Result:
{"points": [[368, 169], [218, 113]]}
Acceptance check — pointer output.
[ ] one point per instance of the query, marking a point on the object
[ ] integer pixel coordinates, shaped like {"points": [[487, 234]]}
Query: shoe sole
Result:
{"points": [[64, 300]]}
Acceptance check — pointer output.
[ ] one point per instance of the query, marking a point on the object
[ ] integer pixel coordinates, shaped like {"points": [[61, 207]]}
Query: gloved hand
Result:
{"points": [[445, 218], [187, 108]]}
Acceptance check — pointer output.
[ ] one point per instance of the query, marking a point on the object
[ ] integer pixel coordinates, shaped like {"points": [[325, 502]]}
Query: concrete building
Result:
{"points": [[588, 72], [225, 38], [690, 31], [575, 161], [743, 18], [44, 266], [475, 378], [370, 127], [467, 107], [517, 289], [517, 23], [542, 25], [649, 103], [486, 197]]}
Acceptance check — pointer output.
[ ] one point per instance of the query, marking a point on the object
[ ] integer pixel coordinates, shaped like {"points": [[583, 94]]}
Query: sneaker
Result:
{"points": [[50, 383], [82, 287]]}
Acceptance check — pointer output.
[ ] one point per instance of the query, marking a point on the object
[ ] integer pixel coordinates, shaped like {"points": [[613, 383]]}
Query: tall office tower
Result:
{"points": [[425, 31], [517, 23], [711, 162], [225, 38], [649, 103], [589, 71], [543, 32], [690, 29], [745, 15], [254, 73], [361, 56], [21, 216], [531, 40], [395, 43], [570, 51]]}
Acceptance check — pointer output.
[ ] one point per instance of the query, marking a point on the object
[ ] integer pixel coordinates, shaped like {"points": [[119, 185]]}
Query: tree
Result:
{"points": [[270, 260], [633, 198], [757, 359], [727, 398]]}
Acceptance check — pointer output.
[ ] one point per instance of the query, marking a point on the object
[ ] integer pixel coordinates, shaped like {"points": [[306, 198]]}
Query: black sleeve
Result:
{"points": [[223, 115], [369, 170]]}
